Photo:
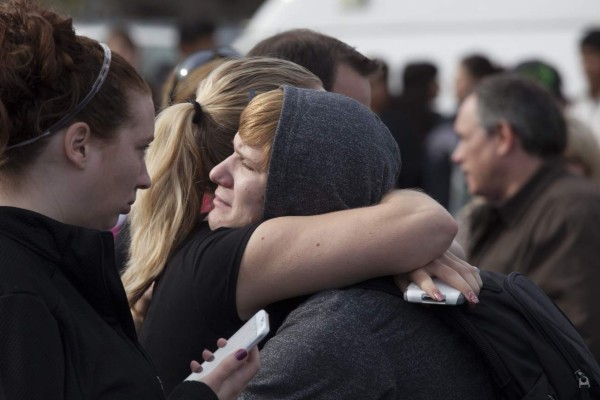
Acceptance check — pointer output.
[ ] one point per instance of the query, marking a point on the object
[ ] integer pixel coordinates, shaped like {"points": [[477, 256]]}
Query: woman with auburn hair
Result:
{"points": [[208, 281], [75, 122], [366, 334]]}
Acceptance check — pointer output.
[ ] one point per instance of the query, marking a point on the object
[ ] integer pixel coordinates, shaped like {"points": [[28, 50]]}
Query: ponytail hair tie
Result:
{"points": [[198, 112]]}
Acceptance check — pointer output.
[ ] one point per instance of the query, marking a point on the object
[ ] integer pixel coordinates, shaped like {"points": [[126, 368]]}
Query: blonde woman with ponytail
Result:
{"points": [[183, 153], [208, 279]]}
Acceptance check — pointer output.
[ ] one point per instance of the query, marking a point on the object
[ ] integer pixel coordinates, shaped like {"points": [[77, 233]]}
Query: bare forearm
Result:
{"points": [[432, 229], [292, 256]]}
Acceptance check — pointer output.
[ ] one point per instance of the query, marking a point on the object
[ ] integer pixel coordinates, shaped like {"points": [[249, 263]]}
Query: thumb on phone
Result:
{"points": [[232, 375]]}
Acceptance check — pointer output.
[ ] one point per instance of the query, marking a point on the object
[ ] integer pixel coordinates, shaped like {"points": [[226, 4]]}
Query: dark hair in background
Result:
{"points": [[418, 80], [45, 71], [479, 66], [591, 39], [191, 29], [543, 73], [316, 52], [383, 71], [530, 110], [418, 76]]}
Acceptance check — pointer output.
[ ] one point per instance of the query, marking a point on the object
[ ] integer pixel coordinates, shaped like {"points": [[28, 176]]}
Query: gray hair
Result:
{"points": [[529, 109]]}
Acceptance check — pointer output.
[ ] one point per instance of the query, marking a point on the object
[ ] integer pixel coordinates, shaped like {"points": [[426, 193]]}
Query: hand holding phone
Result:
{"points": [[248, 336], [452, 296]]}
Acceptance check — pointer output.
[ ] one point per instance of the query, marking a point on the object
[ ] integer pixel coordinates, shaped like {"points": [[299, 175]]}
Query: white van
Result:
{"points": [[441, 31]]}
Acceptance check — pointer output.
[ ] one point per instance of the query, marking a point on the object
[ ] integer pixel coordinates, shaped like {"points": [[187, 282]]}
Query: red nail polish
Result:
{"points": [[241, 354]]}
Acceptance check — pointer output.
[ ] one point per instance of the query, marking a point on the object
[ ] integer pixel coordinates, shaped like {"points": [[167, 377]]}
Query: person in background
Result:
{"points": [[119, 40], [586, 107], [341, 68], [471, 70], [183, 82], [416, 106], [545, 74], [75, 122], [195, 35], [441, 179], [536, 217], [582, 154], [380, 91], [236, 262], [362, 342]]}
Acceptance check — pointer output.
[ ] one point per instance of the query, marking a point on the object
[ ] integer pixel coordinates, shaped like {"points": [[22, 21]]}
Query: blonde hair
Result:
{"points": [[182, 155], [583, 149]]}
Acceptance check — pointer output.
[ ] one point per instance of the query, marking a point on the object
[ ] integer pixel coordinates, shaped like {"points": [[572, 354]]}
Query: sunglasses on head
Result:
{"points": [[196, 60]]}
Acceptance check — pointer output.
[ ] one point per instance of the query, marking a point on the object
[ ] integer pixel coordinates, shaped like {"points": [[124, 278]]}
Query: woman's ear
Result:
{"points": [[77, 140]]}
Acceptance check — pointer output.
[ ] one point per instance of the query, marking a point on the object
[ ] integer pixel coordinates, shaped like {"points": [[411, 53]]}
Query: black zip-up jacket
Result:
{"points": [[65, 327]]}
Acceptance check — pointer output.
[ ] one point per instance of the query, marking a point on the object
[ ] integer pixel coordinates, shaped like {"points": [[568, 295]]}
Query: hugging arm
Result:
{"points": [[292, 256]]}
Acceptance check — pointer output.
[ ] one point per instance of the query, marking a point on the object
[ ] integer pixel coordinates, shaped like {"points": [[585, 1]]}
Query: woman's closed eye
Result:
{"points": [[247, 166]]}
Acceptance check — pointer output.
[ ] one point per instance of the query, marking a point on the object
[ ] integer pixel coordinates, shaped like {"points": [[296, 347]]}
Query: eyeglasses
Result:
{"points": [[196, 60]]}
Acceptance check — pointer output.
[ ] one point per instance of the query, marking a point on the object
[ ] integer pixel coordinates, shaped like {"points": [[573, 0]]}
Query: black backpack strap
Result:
{"points": [[455, 317]]}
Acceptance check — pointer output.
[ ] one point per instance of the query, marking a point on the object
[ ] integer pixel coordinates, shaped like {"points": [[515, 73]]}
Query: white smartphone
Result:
{"points": [[248, 336], [452, 296]]}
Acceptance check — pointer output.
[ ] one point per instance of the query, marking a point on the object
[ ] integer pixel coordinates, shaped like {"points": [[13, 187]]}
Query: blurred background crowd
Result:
{"points": [[432, 53], [398, 32]]}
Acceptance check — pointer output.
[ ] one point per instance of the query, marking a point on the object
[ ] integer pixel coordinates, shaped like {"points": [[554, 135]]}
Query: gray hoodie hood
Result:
{"points": [[329, 153]]}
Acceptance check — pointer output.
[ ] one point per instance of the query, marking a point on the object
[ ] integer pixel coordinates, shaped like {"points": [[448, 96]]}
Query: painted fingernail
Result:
{"points": [[473, 298], [241, 354], [195, 366], [212, 358], [438, 295]]}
